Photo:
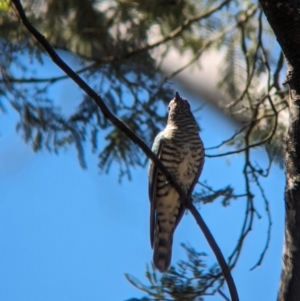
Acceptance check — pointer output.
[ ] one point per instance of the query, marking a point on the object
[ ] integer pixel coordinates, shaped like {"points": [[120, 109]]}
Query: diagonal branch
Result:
{"points": [[135, 139], [212, 243]]}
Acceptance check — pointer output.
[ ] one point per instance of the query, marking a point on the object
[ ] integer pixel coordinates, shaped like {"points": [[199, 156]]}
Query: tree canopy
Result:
{"points": [[120, 47]]}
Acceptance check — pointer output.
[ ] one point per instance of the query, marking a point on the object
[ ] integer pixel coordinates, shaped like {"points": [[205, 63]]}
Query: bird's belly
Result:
{"points": [[168, 205], [170, 200], [187, 169]]}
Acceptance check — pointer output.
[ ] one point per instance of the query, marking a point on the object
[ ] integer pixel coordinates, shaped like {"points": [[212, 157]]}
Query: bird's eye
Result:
{"points": [[169, 108]]}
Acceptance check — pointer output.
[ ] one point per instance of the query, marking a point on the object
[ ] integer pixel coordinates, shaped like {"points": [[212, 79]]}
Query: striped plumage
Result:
{"points": [[180, 149]]}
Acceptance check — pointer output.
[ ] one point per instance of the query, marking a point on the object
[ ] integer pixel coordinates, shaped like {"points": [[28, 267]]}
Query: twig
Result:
{"points": [[242, 149], [249, 74], [223, 295], [267, 209]]}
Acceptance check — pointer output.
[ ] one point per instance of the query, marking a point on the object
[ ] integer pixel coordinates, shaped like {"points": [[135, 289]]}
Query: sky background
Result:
{"points": [[72, 234]]}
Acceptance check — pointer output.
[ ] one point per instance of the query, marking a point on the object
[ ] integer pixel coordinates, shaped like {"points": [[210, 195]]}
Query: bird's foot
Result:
{"points": [[187, 200]]}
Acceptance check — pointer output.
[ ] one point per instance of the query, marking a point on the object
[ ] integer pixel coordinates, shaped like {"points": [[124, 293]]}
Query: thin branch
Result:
{"points": [[244, 148], [267, 139], [173, 34], [34, 80], [267, 208], [210, 41], [210, 239], [250, 75], [223, 295], [229, 139], [227, 191], [249, 213]]}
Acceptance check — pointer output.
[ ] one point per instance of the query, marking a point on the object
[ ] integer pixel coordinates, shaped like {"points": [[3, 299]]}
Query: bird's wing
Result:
{"points": [[153, 171], [200, 167], [182, 207]]}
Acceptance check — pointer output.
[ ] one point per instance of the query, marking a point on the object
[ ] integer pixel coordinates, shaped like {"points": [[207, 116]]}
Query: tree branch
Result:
{"points": [[212, 243]]}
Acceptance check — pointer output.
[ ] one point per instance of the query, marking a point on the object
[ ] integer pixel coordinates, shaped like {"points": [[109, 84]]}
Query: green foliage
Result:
{"points": [[106, 33], [190, 280]]}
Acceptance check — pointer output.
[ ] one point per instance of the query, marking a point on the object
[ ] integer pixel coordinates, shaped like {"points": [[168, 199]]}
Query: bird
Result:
{"points": [[181, 150]]}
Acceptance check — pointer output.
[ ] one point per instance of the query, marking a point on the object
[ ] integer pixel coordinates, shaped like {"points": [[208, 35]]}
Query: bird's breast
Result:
{"points": [[187, 168]]}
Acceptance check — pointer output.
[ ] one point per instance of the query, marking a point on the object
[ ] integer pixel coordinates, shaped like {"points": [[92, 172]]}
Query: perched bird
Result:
{"points": [[180, 149]]}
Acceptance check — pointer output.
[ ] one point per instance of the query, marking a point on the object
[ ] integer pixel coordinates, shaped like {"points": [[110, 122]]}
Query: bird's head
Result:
{"points": [[179, 107]]}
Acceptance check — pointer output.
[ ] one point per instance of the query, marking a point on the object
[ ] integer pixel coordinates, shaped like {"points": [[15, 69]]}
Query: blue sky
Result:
{"points": [[71, 234]]}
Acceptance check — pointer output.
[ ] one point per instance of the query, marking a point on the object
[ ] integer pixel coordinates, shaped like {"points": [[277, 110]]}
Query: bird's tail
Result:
{"points": [[163, 240]]}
